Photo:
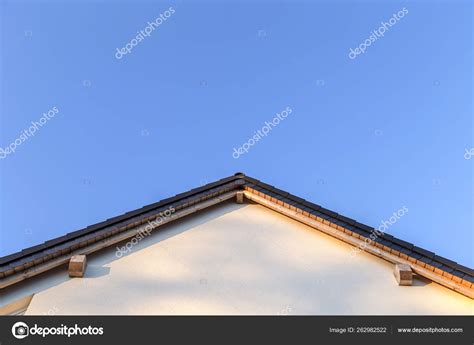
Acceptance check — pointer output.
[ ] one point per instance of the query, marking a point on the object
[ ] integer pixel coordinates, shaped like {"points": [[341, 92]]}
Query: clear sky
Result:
{"points": [[365, 138]]}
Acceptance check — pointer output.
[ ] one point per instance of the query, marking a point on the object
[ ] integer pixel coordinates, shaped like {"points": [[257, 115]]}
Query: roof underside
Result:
{"points": [[26, 260]]}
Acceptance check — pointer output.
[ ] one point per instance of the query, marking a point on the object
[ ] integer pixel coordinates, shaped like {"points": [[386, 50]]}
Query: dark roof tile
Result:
{"points": [[264, 185], [33, 249], [415, 255], [346, 219], [444, 260], [312, 206], [469, 278], [424, 252], [328, 212], [364, 227], [55, 241], [458, 273], [402, 243], [465, 269], [405, 251], [239, 182], [358, 230], [436, 264], [387, 237], [338, 222], [280, 192], [425, 259], [378, 239], [446, 268], [297, 199]]}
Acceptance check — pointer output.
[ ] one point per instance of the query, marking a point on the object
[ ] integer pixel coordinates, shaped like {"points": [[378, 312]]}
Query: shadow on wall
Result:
{"points": [[97, 261], [96, 271], [420, 281]]}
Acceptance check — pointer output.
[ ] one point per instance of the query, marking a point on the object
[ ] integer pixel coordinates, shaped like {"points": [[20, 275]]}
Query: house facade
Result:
{"points": [[235, 246]]}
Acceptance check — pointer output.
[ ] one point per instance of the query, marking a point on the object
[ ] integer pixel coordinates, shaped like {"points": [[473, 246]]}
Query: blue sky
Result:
{"points": [[366, 136]]}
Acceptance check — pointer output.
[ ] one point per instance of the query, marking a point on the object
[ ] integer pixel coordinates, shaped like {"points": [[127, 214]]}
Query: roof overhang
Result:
{"points": [[35, 260]]}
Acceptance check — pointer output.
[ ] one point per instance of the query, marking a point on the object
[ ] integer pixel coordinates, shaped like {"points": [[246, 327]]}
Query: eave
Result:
{"points": [[35, 260]]}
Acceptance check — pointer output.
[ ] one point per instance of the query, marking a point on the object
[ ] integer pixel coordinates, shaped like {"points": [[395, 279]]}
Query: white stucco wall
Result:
{"points": [[238, 259]]}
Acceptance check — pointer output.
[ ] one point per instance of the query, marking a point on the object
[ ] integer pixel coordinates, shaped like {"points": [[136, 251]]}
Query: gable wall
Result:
{"points": [[237, 259]]}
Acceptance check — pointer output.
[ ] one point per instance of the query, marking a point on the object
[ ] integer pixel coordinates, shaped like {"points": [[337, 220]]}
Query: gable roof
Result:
{"points": [[40, 258]]}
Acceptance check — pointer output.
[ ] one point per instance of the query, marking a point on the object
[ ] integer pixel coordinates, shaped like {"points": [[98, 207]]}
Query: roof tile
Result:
{"points": [[444, 260], [424, 252], [402, 243]]}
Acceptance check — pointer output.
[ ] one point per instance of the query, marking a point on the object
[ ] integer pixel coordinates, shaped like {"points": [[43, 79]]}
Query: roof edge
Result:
{"points": [[38, 254]]}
